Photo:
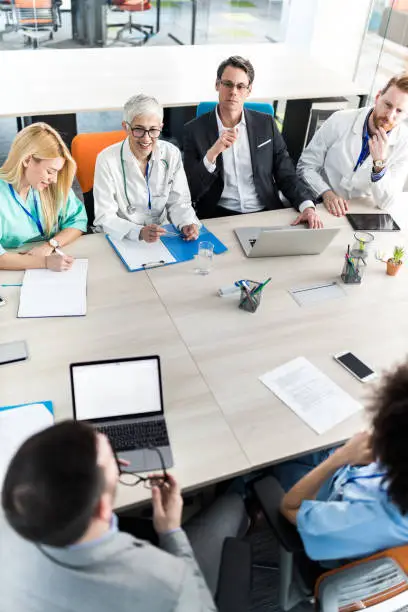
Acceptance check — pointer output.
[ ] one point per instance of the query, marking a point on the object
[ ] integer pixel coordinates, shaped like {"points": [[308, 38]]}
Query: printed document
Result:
{"points": [[312, 395], [54, 294], [18, 423]]}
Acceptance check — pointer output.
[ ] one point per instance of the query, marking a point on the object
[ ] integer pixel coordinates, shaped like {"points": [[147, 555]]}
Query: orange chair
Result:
{"points": [[132, 6], [35, 17], [85, 149]]}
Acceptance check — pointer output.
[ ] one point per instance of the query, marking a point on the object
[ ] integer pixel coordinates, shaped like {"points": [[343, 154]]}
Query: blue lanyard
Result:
{"points": [[36, 219], [149, 204], [130, 207], [367, 477]]}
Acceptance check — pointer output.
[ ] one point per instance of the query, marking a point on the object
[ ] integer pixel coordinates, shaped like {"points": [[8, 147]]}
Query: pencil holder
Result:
{"points": [[352, 270], [250, 301]]}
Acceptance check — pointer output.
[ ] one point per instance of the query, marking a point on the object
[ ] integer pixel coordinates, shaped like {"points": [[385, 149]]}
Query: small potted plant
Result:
{"points": [[395, 262]]}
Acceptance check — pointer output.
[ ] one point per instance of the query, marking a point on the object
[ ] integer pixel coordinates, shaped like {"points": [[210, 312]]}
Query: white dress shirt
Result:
{"points": [[239, 193], [329, 160], [169, 193]]}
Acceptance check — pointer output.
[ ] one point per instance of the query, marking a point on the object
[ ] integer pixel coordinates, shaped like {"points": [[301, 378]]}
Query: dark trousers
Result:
{"points": [[220, 211]]}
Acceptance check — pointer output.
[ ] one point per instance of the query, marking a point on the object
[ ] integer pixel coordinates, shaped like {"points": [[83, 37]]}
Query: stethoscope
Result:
{"points": [[130, 208]]}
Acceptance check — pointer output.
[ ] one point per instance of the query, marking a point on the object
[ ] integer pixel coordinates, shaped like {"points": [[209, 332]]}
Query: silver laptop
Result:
{"points": [[284, 240], [123, 398]]}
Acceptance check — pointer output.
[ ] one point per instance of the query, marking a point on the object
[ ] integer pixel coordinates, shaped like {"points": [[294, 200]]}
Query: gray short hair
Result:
{"points": [[141, 105]]}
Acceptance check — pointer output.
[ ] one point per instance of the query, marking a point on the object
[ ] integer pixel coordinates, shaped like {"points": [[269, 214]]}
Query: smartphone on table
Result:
{"points": [[355, 366]]}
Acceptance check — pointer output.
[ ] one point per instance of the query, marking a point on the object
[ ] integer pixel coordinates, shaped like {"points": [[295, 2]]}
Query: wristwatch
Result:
{"points": [[54, 243], [379, 164]]}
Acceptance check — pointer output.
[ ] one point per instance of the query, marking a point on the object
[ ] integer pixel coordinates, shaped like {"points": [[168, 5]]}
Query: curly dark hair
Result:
{"points": [[389, 409]]}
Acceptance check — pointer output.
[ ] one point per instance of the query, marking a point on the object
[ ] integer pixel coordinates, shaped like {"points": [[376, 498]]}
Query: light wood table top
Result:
{"points": [[124, 318], [222, 420], [232, 348], [103, 79]]}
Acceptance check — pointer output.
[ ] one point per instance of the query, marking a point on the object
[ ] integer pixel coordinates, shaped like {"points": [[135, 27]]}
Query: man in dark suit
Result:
{"points": [[235, 160]]}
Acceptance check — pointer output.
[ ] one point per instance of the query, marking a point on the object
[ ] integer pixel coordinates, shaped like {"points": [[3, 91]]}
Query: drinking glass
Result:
{"points": [[204, 257]]}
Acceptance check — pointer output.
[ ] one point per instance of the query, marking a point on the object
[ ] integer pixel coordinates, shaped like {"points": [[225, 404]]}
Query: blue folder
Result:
{"points": [[47, 404], [180, 249]]}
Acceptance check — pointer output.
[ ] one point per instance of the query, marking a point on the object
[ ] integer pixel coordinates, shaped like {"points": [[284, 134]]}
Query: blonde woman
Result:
{"points": [[37, 202]]}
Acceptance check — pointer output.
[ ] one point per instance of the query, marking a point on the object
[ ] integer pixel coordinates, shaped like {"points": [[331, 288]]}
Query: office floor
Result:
{"points": [[265, 585], [217, 21]]}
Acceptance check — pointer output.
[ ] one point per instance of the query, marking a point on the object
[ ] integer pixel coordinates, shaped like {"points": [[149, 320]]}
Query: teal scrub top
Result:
{"points": [[17, 228], [353, 517]]}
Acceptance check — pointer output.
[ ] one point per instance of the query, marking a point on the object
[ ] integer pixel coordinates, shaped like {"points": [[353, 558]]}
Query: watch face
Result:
{"points": [[53, 242]]}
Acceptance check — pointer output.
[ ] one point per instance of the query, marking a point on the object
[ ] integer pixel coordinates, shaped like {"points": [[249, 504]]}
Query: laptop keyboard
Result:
{"points": [[131, 436]]}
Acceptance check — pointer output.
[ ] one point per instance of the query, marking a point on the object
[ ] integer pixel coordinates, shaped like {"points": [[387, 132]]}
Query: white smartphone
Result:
{"points": [[355, 366], [13, 351]]}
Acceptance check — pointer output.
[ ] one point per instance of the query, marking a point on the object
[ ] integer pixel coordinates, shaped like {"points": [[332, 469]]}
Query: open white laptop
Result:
{"points": [[123, 399], [284, 240]]}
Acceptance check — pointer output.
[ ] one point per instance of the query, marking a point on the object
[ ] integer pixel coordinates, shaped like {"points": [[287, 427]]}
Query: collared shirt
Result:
{"points": [[17, 228], [365, 152], [239, 193], [113, 528], [121, 215], [352, 517]]}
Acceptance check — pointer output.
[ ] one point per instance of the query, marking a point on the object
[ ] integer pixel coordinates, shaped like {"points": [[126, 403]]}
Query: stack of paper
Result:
{"points": [[312, 395], [17, 423], [54, 294]]}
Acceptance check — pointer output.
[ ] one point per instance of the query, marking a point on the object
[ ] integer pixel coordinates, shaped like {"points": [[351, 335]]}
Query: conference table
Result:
{"points": [[222, 420], [84, 80]]}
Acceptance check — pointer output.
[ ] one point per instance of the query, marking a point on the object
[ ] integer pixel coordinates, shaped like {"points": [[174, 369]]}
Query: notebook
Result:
{"points": [[17, 424], [140, 255], [54, 294]]}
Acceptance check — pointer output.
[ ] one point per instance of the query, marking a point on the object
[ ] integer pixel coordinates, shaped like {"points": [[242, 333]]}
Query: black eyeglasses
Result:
{"points": [[139, 132], [131, 479], [241, 87]]}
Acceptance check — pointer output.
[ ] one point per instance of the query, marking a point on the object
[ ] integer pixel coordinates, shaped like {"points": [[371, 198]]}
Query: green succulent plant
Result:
{"points": [[398, 254]]}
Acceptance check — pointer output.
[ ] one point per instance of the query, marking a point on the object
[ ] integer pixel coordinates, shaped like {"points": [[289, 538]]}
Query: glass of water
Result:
{"points": [[204, 257]]}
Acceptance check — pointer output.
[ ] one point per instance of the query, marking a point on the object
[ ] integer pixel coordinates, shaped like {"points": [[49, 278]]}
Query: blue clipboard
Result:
{"points": [[183, 250], [180, 249]]}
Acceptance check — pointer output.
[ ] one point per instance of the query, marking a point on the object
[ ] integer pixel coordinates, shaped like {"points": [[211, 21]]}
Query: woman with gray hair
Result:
{"points": [[140, 182]]}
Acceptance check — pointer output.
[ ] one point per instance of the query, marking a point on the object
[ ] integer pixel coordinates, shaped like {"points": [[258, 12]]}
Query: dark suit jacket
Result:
{"points": [[272, 167]]}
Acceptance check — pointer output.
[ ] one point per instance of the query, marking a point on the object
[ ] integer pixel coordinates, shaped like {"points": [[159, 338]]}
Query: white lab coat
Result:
{"points": [[328, 161], [169, 192]]}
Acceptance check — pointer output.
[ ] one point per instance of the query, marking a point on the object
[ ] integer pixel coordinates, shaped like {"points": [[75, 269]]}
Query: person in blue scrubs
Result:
{"points": [[355, 502], [37, 202]]}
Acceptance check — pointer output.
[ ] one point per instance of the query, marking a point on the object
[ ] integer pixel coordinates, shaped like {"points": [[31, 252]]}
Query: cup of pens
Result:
{"points": [[251, 293], [352, 269]]}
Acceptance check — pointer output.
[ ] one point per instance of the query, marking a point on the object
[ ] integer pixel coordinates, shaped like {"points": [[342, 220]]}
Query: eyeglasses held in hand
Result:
{"points": [[241, 87], [131, 479], [139, 132]]}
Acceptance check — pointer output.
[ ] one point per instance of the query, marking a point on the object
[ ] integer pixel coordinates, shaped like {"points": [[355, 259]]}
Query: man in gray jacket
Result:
{"points": [[60, 548]]}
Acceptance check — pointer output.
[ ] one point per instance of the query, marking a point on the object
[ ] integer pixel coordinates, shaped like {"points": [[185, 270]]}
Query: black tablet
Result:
{"points": [[375, 222]]}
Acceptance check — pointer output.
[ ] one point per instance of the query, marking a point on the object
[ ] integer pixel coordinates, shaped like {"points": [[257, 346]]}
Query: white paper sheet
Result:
{"points": [[141, 253], [306, 296], [18, 424], [54, 294], [312, 395]]}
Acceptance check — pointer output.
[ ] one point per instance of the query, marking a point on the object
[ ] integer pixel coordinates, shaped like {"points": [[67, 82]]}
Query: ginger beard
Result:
{"points": [[382, 122]]}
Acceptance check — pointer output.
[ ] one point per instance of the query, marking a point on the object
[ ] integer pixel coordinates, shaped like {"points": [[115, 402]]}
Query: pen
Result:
{"points": [[261, 286], [11, 285], [59, 252]]}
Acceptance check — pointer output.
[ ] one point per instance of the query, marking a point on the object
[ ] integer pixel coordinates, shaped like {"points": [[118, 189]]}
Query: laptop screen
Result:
{"points": [[117, 388]]}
